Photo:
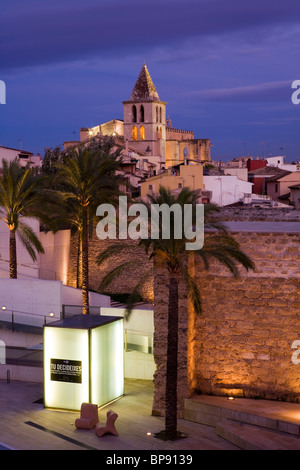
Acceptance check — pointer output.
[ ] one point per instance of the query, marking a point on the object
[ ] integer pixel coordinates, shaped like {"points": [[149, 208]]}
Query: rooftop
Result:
{"points": [[83, 322], [270, 172]]}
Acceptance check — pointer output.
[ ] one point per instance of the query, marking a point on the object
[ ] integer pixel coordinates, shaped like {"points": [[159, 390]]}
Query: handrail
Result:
{"points": [[28, 314]]}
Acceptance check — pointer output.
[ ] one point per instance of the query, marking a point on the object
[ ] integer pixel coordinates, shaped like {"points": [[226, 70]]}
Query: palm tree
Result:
{"points": [[86, 178], [23, 195], [172, 255]]}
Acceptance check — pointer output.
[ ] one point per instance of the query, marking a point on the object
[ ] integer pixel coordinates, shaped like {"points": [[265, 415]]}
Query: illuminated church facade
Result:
{"points": [[147, 136]]}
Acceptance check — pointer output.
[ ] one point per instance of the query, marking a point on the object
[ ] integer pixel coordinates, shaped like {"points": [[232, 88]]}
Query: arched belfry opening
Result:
{"points": [[134, 113], [142, 113]]}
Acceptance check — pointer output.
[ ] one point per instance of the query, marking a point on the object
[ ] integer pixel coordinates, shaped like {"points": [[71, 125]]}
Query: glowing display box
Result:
{"points": [[83, 361]]}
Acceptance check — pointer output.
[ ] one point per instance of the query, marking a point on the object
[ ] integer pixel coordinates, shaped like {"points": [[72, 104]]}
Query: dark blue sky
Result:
{"points": [[225, 68]]}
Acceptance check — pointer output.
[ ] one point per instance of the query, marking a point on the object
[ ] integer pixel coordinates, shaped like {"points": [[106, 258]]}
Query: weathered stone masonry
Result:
{"points": [[127, 280], [241, 344]]}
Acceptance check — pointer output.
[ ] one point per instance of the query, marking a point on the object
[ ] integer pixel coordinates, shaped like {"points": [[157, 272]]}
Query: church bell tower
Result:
{"points": [[145, 119]]}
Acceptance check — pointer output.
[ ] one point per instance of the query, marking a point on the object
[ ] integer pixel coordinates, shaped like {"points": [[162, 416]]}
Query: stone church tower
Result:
{"points": [[145, 120]]}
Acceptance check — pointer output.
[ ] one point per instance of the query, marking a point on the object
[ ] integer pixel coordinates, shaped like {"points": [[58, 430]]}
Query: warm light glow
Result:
{"points": [[149, 433], [142, 133], [83, 365], [230, 398], [134, 133], [3, 307], [65, 344], [52, 314], [107, 362]]}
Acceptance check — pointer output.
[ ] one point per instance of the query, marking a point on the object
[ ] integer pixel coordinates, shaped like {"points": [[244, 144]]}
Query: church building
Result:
{"points": [[146, 135]]}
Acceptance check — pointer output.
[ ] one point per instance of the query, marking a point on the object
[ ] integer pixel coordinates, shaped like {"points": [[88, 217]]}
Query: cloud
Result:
{"points": [[65, 31], [262, 92]]}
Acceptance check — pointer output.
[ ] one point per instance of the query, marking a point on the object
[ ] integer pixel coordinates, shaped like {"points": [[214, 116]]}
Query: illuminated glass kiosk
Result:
{"points": [[83, 361]]}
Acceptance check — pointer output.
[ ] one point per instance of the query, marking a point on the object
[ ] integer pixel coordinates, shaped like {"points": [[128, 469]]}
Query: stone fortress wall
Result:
{"points": [[241, 345], [242, 342]]}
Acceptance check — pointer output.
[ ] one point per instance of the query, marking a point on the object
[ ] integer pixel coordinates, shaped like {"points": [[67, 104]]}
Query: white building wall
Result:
{"points": [[138, 329], [55, 261], [10, 154], [73, 296], [32, 300], [27, 268], [30, 296], [226, 189]]}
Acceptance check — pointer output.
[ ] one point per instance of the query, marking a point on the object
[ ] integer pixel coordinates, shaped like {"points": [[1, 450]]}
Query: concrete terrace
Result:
{"points": [[27, 425], [212, 423]]}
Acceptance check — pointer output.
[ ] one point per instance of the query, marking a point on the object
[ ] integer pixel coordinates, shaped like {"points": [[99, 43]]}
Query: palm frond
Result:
{"points": [[30, 240], [135, 294], [114, 274], [109, 252]]}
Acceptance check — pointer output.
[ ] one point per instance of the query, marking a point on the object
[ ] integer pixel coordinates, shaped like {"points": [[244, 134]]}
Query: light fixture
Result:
{"points": [[230, 398], [149, 433], [3, 307], [51, 314]]}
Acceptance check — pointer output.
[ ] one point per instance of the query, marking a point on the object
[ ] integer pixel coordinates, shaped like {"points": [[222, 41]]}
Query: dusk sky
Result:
{"points": [[225, 68]]}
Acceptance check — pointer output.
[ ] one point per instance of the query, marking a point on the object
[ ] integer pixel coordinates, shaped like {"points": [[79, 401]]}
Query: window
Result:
{"points": [[276, 187], [160, 114], [142, 114], [133, 113], [134, 133], [156, 113], [142, 133]]}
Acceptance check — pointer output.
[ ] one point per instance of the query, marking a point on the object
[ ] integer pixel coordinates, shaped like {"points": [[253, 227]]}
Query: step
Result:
{"points": [[249, 437], [267, 414]]}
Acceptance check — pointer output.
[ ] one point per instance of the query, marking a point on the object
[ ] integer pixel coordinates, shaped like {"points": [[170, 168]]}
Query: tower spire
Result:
{"points": [[144, 89]]}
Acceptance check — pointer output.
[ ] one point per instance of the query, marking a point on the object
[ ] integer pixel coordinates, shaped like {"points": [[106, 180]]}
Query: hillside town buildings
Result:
{"points": [[24, 157], [155, 153], [223, 351]]}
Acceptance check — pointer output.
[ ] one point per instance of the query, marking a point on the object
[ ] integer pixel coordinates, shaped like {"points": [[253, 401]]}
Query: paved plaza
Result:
{"points": [[27, 425]]}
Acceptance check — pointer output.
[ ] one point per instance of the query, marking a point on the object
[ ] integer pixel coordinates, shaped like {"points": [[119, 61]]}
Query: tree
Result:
{"points": [[85, 179], [172, 255], [51, 157], [23, 195]]}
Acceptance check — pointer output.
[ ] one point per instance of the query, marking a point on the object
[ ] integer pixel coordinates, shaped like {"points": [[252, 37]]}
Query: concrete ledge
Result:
{"points": [[268, 414], [21, 373], [249, 437]]}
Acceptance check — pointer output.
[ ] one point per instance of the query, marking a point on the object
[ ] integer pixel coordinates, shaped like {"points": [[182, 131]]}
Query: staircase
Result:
{"points": [[250, 424]]}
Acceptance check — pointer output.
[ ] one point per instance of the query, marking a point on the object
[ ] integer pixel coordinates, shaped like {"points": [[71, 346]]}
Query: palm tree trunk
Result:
{"points": [[85, 262], [79, 262], [12, 254], [172, 360]]}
